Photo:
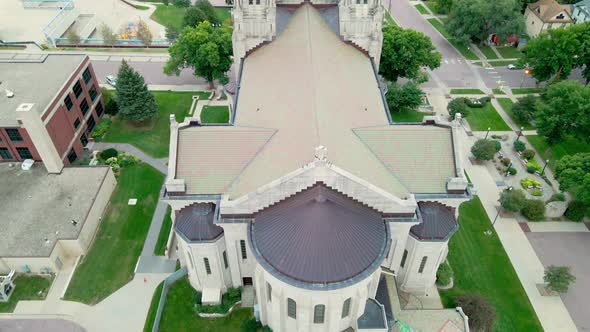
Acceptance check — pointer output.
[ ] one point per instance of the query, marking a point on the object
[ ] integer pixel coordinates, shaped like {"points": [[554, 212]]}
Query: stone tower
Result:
{"points": [[360, 23], [254, 24]]}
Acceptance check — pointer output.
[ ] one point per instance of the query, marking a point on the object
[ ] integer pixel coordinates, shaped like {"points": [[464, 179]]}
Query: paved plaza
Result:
{"points": [[39, 325]]}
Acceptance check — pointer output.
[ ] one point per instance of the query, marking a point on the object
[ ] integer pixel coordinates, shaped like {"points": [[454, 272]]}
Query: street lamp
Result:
{"points": [[519, 133], [489, 231], [488, 132], [543, 171]]}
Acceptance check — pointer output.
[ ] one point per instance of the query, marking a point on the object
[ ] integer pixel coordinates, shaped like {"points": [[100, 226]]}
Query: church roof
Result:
{"points": [[195, 223], [438, 222]]}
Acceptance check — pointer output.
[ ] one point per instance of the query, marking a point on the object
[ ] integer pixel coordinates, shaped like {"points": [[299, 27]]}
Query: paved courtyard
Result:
{"points": [[569, 249], [39, 325]]}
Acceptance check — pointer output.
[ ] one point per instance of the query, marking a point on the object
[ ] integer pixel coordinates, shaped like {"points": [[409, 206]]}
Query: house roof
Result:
{"points": [[438, 222], [547, 10], [195, 222], [584, 6], [307, 237]]}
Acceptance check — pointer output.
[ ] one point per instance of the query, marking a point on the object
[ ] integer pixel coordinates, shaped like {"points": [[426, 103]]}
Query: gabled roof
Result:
{"points": [[547, 10]]}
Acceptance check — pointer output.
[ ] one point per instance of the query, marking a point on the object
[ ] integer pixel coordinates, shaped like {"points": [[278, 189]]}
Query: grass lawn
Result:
{"points": [[497, 91], [432, 6], [149, 319], [440, 27], [467, 92], [413, 116], [421, 9], [154, 138], [481, 118], [215, 114], [223, 13], [526, 91], [110, 261], [27, 287], [172, 15], [509, 52], [178, 314], [507, 106], [389, 20], [488, 52], [482, 266], [555, 152], [464, 50], [160, 247]]}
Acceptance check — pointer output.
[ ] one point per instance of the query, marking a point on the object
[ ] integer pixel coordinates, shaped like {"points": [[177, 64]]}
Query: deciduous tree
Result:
{"points": [[404, 98], [483, 149], [108, 36], [144, 34], [458, 105], [573, 174], [524, 109], [135, 102], [206, 8]]}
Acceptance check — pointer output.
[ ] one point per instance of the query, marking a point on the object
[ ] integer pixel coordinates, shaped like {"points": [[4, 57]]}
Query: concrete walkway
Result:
{"points": [[557, 227]]}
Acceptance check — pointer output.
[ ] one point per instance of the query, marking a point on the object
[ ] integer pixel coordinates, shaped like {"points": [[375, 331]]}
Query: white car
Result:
{"points": [[112, 80], [511, 66]]}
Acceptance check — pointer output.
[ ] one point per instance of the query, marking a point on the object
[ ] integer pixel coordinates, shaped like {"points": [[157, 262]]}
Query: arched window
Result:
{"points": [[346, 307], [318, 314], [291, 308]]}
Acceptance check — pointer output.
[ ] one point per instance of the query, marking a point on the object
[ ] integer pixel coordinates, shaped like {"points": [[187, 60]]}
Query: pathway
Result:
{"points": [[159, 164]]}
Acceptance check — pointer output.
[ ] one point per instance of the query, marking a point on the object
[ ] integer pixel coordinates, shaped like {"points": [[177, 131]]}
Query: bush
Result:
{"points": [[506, 161], [524, 108], [181, 3], [528, 154], [519, 146], [227, 301], [481, 314], [513, 200], [458, 105], [531, 169], [250, 325], [404, 98], [485, 100], [127, 160], [528, 183], [108, 153], [533, 210], [559, 197], [111, 107], [512, 171], [484, 149], [497, 145], [534, 164], [576, 211], [537, 192], [444, 274], [101, 128], [474, 103], [558, 278]]}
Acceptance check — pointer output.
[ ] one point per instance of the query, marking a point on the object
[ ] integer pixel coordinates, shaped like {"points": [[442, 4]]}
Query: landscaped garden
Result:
{"points": [[407, 116], [160, 248], [421, 9], [481, 266], [479, 112], [215, 114], [27, 288], [569, 146], [110, 261]]}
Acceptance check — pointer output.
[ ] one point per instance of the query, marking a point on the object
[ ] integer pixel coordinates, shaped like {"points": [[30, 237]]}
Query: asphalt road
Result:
{"points": [[151, 71]]}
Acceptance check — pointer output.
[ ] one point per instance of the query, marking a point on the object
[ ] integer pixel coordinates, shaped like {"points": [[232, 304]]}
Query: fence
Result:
{"points": [[167, 282], [60, 22]]}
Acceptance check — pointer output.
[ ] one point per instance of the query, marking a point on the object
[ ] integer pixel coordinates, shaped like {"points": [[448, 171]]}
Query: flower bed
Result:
{"points": [[530, 183]]}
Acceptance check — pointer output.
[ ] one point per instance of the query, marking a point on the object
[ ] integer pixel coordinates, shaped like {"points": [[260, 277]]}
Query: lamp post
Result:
{"points": [[489, 231], [519, 133], [543, 171], [508, 171], [488, 132]]}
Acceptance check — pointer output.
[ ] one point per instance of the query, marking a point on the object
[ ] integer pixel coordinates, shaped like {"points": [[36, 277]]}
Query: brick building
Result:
{"points": [[49, 104]]}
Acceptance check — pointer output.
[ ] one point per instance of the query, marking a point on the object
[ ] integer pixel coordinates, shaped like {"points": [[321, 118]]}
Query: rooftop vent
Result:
{"points": [[9, 93]]}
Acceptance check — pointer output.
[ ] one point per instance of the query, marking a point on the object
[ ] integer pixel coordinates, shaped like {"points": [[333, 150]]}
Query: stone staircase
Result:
{"points": [[248, 298]]}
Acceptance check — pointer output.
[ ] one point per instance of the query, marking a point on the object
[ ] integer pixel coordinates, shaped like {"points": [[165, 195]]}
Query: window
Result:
{"points": [[68, 103], [243, 247], [560, 16], [83, 139], [72, 156], [14, 135], [207, 266], [404, 257], [92, 93], [91, 124], [5, 154], [318, 314], [291, 308], [422, 264], [77, 89], [268, 292], [77, 123], [225, 264], [24, 153], [87, 76], [346, 308], [84, 106], [99, 109]]}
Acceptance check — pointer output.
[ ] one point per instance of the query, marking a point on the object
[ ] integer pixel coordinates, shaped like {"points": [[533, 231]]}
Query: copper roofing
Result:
{"points": [[319, 236], [438, 222], [195, 222]]}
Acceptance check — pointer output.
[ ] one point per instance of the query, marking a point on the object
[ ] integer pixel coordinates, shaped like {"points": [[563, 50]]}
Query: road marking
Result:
{"points": [[447, 62]]}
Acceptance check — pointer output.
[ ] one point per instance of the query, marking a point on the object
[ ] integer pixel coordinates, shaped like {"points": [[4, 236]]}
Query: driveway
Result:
{"points": [[39, 325], [569, 249]]}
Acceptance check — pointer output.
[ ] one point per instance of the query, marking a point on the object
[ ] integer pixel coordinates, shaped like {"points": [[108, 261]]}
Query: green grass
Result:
{"points": [[569, 146], [215, 114], [412, 116], [497, 91], [463, 49], [421, 9], [432, 5], [497, 63], [481, 118], [482, 266], [389, 20], [110, 261], [178, 314], [488, 52], [140, 7], [223, 13], [27, 288], [507, 106], [160, 248], [467, 92], [509, 52], [154, 137], [172, 15], [149, 319], [526, 91], [440, 27]]}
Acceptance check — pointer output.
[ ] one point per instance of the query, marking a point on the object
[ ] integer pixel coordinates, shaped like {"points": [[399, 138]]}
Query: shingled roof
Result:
{"points": [[547, 10], [438, 222], [195, 222]]}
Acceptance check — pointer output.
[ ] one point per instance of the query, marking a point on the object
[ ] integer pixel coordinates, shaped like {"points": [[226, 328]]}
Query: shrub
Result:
{"points": [[101, 128], [483, 149], [558, 278], [531, 169], [181, 3], [528, 183], [485, 100], [528, 154], [506, 161], [519, 146], [250, 325], [481, 314], [266, 329], [576, 211], [497, 145], [227, 301], [513, 200], [512, 171], [534, 164], [494, 136], [108, 153], [524, 108], [127, 160], [166, 2], [404, 98], [458, 105], [533, 210], [444, 274], [537, 192], [111, 107], [474, 103], [560, 197]]}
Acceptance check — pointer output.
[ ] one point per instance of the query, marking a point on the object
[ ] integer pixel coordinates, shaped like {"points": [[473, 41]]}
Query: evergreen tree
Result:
{"points": [[134, 100]]}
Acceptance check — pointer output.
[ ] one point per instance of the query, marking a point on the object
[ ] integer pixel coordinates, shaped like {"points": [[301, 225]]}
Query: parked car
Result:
{"points": [[512, 66], [112, 80]]}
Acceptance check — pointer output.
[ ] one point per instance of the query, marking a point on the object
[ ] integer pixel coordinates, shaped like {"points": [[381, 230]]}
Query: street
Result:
{"points": [[151, 71]]}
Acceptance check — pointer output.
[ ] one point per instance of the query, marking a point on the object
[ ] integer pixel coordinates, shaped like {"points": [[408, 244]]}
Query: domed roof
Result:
{"points": [[319, 236], [195, 222]]}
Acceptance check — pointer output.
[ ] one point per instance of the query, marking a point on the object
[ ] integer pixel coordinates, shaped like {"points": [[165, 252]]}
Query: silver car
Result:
{"points": [[112, 80]]}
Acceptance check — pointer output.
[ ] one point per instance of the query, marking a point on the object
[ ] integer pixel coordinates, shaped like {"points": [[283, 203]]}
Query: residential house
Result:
{"points": [[546, 14]]}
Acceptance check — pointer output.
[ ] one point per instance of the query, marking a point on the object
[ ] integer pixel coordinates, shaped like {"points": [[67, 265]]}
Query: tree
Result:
{"points": [[144, 34], [206, 8], [193, 16], [207, 49], [576, 210], [181, 3], [533, 209], [573, 174], [524, 109], [565, 110], [513, 200], [476, 20], [171, 33], [483, 149], [443, 6], [133, 99], [582, 31], [73, 37], [404, 98], [108, 36], [166, 2], [458, 105], [405, 52], [481, 314], [558, 278]]}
